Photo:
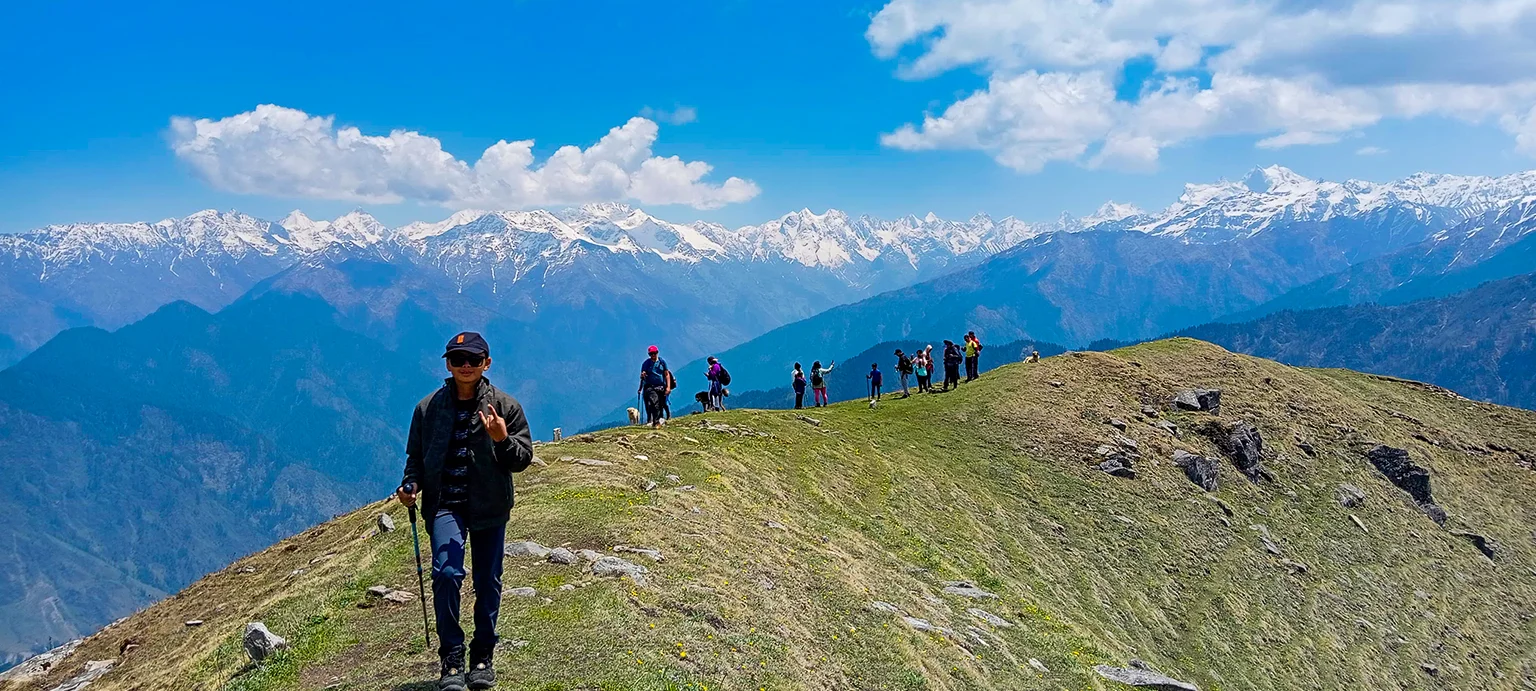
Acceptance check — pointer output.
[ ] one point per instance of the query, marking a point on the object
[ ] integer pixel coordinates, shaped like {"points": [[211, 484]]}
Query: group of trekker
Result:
{"points": [[657, 384], [921, 366]]}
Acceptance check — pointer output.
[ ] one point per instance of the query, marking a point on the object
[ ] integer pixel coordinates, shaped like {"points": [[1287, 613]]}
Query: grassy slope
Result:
{"points": [[989, 484]]}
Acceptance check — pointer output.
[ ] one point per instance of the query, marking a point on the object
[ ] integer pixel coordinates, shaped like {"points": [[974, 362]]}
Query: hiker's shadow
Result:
{"points": [[417, 686]]}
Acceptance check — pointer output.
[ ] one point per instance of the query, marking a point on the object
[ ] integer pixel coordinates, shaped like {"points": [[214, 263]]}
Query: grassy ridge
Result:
{"points": [[993, 484]]}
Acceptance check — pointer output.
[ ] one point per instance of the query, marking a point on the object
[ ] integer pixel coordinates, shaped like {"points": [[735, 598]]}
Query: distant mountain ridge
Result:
{"points": [[1497, 243], [1480, 343]]}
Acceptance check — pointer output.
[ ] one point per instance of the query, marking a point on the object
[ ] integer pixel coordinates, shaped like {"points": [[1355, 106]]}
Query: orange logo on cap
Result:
{"points": [[461, 338]]}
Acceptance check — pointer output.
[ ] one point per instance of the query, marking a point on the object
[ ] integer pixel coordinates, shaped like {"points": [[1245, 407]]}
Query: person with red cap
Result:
{"points": [[465, 442], [655, 386]]}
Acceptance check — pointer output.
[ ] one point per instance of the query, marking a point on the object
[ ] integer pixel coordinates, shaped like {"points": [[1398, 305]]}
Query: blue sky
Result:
{"points": [[802, 99]]}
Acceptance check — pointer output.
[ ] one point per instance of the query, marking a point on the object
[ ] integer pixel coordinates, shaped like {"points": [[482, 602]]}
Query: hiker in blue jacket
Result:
{"points": [[655, 385], [874, 381], [466, 440]]}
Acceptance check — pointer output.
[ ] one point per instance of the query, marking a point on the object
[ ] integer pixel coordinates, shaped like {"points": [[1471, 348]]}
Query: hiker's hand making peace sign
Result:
{"points": [[494, 424]]}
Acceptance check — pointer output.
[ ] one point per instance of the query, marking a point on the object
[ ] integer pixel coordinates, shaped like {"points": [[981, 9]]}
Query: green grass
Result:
{"points": [[992, 484]]}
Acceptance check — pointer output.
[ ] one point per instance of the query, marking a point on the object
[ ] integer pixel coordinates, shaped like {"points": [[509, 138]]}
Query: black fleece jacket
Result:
{"points": [[491, 462]]}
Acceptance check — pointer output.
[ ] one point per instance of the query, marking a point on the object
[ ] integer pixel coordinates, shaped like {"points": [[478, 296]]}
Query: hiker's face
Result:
{"points": [[466, 371]]}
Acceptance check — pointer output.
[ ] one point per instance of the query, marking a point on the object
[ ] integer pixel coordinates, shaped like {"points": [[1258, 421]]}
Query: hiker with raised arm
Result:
{"points": [[972, 357], [819, 382], [655, 380], [466, 440]]}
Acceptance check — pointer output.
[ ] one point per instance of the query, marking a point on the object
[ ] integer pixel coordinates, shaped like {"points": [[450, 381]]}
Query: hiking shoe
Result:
{"points": [[453, 676], [482, 676]]}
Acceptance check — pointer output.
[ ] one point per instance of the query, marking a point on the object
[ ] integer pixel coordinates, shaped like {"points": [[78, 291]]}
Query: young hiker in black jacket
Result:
{"points": [[466, 440]]}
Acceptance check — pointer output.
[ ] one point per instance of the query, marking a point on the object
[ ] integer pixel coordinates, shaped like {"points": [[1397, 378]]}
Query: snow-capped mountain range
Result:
{"points": [[109, 274], [1270, 196], [1215, 212]]}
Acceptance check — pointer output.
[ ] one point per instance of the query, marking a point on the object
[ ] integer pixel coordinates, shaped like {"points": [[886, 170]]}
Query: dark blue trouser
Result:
{"points": [[448, 540]]}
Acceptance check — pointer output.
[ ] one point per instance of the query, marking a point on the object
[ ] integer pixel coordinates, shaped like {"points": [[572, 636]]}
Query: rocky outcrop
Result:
{"points": [[1245, 446], [1199, 469], [1242, 444], [95, 669], [1140, 676], [1204, 400], [1407, 476]]}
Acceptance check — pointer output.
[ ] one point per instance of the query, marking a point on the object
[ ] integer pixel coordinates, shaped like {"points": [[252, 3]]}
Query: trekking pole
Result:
{"points": [[421, 585]]}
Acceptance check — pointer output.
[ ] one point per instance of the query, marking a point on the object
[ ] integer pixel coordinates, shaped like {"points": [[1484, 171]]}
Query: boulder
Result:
{"points": [[1168, 427], [1149, 411], [561, 555], [1199, 469], [379, 591], [386, 524], [1116, 423], [525, 548], [1142, 678], [399, 597], [614, 567], [1119, 464], [887, 607], [1407, 476], [524, 591], [1204, 400], [261, 643], [588, 555], [1245, 446]]}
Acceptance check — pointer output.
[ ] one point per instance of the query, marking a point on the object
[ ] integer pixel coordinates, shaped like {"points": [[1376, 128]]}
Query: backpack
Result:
{"points": [[724, 377], [816, 380]]}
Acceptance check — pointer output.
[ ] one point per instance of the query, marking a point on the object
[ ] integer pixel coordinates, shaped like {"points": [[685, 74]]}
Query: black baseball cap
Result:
{"points": [[468, 342]]}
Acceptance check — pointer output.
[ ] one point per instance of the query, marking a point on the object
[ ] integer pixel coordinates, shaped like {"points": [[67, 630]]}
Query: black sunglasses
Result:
{"points": [[460, 360]]}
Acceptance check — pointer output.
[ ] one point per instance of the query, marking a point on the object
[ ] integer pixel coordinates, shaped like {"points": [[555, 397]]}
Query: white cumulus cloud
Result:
{"points": [[1286, 72], [286, 152]]}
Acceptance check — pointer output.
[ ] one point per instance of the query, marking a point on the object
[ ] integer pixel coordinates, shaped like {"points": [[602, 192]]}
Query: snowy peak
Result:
{"points": [[296, 221], [420, 230], [1275, 179], [354, 230], [1111, 212]]}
